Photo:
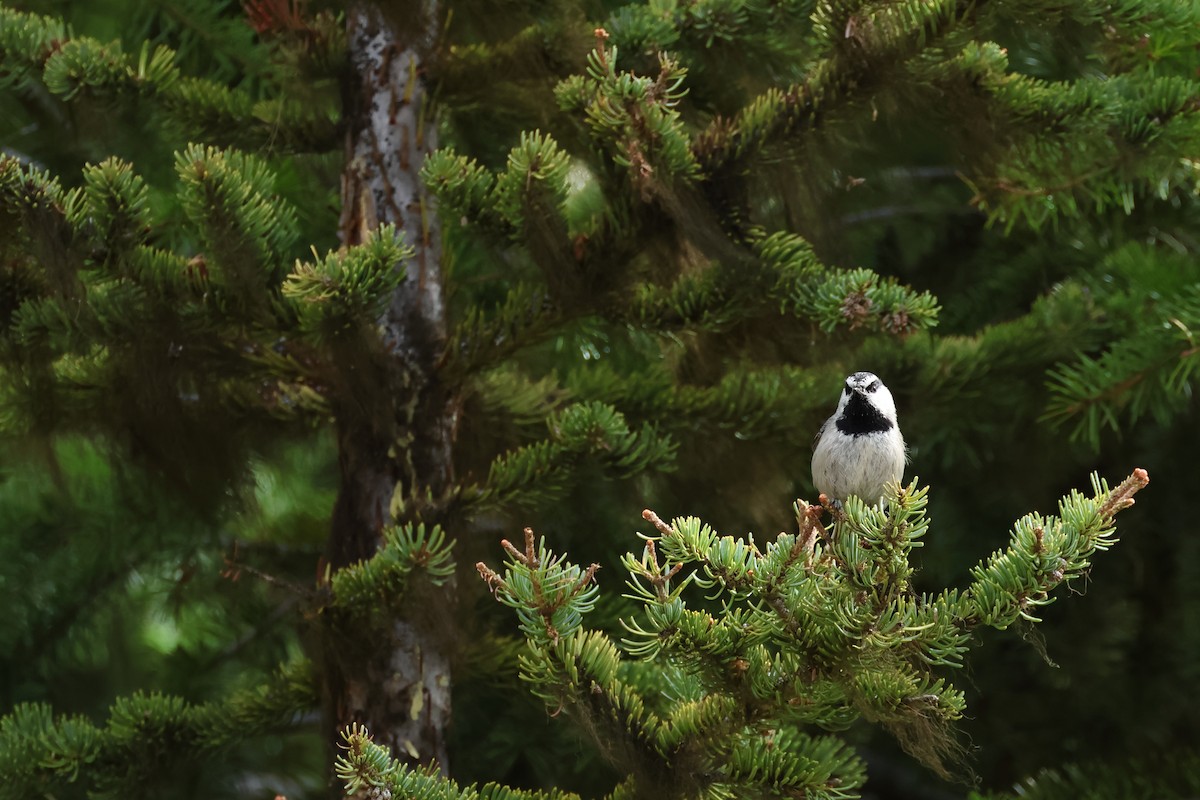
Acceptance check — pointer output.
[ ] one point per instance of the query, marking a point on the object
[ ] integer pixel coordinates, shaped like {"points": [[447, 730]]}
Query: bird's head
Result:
{"points": [[865, 388]]}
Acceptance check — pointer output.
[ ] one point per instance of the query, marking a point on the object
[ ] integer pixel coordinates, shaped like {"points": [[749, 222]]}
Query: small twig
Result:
{"points": [[810, 522], [789, 620], [834, 507], [529, 557], [839, 516], [601, 37], [810, 528], [490, 576], [233, 570], [1122, 497], [656, 521], [547, 616], [268, 624], [659, 579], [588, 576]]}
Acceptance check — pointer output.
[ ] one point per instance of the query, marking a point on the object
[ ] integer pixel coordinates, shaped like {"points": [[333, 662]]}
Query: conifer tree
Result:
{"points": [[538, 267]]}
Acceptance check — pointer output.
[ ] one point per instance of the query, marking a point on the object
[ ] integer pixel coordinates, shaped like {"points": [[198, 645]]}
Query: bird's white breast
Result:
{"points": [[858, 465]]}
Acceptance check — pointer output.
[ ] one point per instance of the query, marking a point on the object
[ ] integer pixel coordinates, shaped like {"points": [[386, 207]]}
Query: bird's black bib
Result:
{"points": [[861, 417]]}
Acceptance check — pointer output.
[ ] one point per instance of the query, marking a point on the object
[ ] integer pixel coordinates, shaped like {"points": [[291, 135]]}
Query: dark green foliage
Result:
{"points": [[341, 290], [1149, 369], [670, 229], [222, 318], [367, 767], [370, 586], [539, 473], [143, 734], [205, 108], [1166, 778]]}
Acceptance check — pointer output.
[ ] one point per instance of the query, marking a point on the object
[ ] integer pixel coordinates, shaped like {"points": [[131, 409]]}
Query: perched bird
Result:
{"points": [[860, 448]]}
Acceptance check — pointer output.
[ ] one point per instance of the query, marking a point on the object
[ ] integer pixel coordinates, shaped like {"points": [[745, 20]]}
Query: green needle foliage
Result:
{"points": [[39, 47], [142, 737], [660, 235], [744, 657]]}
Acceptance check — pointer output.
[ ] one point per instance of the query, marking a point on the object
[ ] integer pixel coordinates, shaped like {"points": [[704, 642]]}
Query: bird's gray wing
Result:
{"points": [[821, 430]]}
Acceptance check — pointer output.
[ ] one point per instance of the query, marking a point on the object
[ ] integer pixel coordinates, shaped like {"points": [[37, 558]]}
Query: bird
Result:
{"points": [[860, 448]]}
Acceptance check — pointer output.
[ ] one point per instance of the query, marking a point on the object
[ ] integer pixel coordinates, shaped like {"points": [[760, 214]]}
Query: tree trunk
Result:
{"points": [[395, 421]]}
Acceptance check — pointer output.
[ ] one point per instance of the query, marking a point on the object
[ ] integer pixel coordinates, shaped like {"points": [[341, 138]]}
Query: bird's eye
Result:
{"points": [[846, 391], [874, 385]]}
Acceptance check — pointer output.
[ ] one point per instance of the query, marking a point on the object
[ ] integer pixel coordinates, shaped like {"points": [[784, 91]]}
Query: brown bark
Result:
{"points": [[395, 421]]}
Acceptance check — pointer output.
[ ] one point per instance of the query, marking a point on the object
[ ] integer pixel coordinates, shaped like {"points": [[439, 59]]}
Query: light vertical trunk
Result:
{"points": [[395, 421]]}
